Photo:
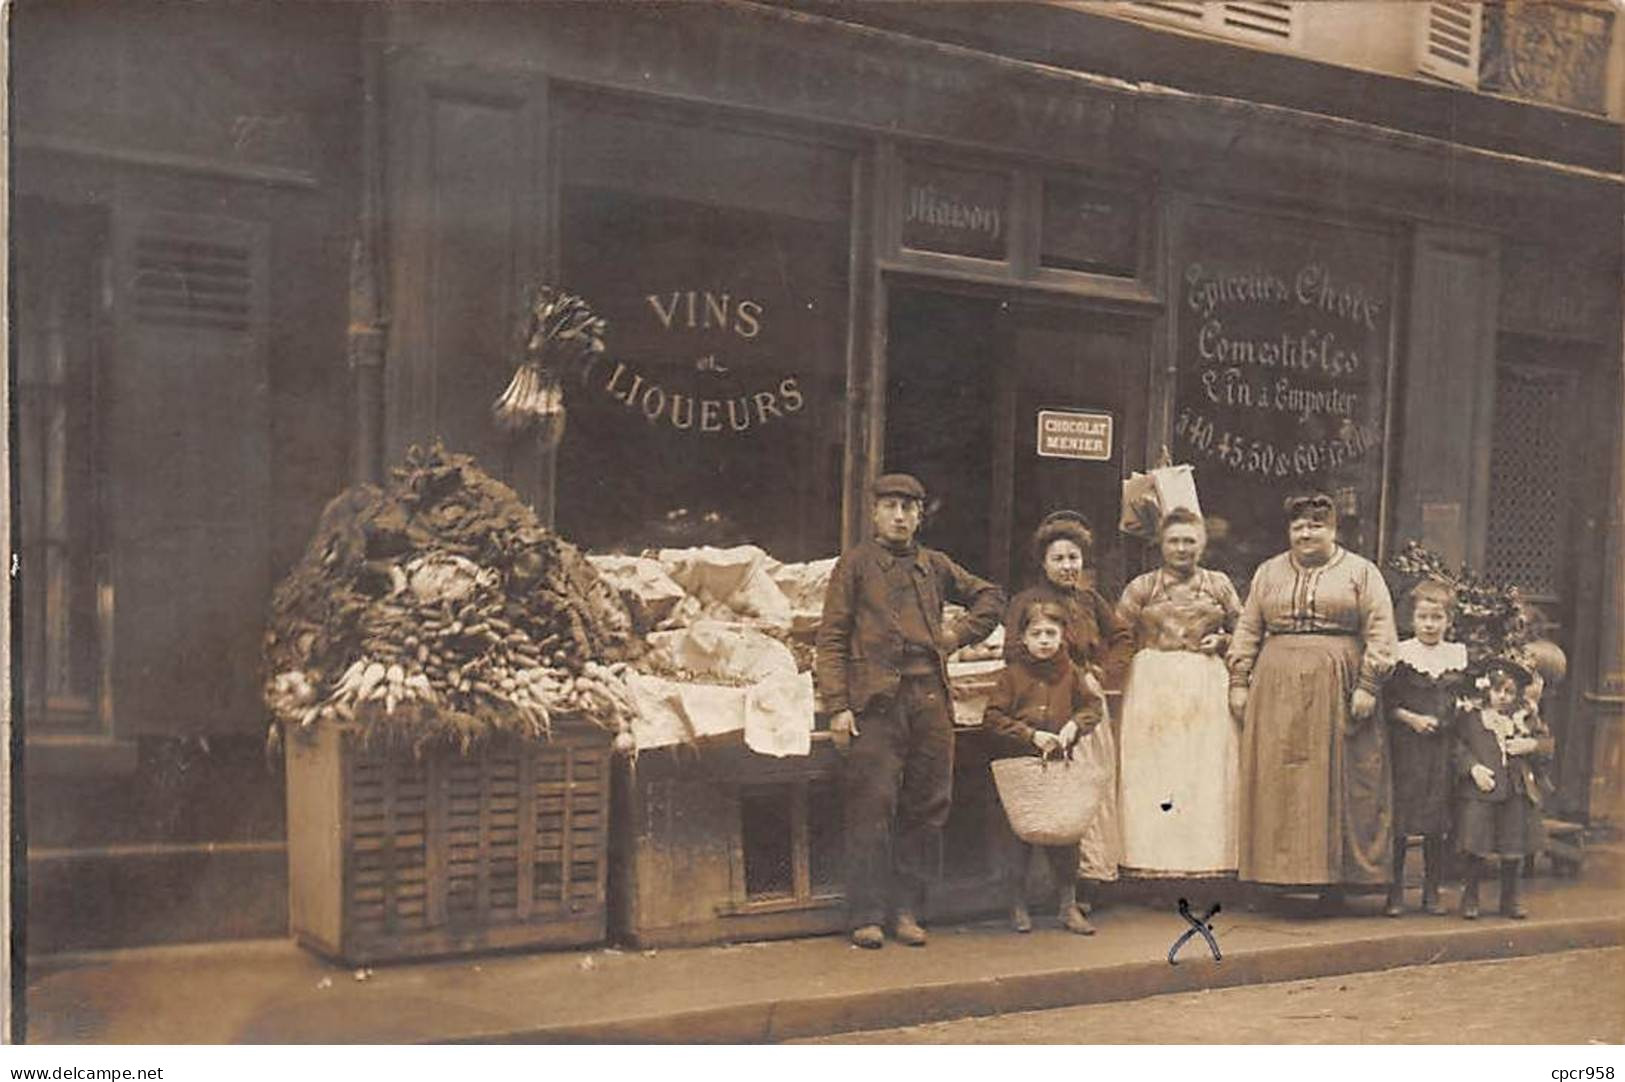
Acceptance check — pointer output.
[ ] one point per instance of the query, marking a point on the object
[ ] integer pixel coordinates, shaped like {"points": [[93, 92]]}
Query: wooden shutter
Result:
{"points": [[1272, 22], [1448, 34], [1260, 20], [189, 436]]}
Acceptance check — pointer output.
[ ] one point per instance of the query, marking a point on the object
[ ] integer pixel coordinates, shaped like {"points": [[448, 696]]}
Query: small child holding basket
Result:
{"points": [[1042, 706]]}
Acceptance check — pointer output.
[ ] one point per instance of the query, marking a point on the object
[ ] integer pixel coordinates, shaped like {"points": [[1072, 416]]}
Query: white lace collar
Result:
{"points": [[1433, 660]]}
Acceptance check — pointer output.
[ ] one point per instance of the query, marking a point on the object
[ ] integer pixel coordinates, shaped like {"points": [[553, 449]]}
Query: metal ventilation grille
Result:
{"points": [[1529, 504], [1270, 19], [188, 282]]}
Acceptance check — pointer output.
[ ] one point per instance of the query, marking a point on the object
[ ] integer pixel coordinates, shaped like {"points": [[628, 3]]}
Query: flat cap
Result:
{"points": [[899, 484]]}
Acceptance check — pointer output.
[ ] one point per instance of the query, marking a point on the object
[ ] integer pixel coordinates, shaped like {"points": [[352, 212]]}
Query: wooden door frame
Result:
{"points": [[1133, 413]]}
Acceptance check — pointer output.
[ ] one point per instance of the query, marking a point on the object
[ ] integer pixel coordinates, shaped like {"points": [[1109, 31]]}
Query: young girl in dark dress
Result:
{"points": [[1495, 753], [1421, 696]]}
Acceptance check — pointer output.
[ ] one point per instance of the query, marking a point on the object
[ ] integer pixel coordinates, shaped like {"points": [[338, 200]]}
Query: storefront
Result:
{"points": [[825, 250]]}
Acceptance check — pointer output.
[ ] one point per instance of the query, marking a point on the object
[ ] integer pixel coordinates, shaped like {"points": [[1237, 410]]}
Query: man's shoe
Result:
{"points": [[1020, 919], [907, 930], [869, 937], [1073, 920]]}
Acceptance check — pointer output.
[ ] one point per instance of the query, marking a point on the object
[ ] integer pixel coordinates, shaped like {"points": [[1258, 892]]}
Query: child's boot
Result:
{"points": [[1432, 869], [1512, 889], [1469, 892], [1396, 887], [1072, 918]]}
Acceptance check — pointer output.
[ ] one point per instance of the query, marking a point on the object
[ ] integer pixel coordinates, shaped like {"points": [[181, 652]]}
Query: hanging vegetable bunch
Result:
{"points": [[439, 607], [560, 333], [1491, 618]]}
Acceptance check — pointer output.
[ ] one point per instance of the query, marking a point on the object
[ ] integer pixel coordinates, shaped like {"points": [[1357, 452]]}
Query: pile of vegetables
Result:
{"points": [[561, 336], [439, 607]]}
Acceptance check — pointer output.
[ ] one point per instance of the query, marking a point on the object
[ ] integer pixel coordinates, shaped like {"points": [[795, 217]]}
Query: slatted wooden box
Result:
{"points": [[392, 857]]}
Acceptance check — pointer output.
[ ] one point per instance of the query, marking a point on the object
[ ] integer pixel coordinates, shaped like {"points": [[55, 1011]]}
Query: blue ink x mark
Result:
{"points": [[1197, 927]]}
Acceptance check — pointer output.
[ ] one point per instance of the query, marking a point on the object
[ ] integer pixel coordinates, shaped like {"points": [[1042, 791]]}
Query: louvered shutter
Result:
{"points": [[189, 433], [1260, 21], [1448, 34], [1189, 11]]}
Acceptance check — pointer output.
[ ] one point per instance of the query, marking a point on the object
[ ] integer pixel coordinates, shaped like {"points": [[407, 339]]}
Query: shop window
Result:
{"points": [[1282, 339], [790, 843], [954, 211], [1089, 229], [60, 387], [719, 260]]}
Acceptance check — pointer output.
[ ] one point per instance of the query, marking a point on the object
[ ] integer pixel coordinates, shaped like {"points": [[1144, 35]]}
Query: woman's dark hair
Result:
{"points": [[1063, 526], [1315, 506], [1180, 516]]}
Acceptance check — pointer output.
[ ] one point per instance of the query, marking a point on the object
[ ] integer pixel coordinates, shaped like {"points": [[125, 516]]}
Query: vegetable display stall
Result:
{"points": [[727, 823], [444, 677]]}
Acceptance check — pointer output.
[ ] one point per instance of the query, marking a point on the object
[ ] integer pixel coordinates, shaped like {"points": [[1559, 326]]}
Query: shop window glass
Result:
{"points": [[1283, 336], [956, 211], [719, 260], [1089, 229]]}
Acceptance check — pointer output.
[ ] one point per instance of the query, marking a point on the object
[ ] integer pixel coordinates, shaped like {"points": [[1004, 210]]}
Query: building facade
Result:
{"points": [[1016, 250]]}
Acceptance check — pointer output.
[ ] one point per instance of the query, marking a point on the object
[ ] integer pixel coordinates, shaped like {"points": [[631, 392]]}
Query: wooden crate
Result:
{"points": [[683, 862], [394, 857]]}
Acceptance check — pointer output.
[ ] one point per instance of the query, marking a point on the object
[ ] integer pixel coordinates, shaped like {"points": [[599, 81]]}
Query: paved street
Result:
{"points": [[1569, 998]]}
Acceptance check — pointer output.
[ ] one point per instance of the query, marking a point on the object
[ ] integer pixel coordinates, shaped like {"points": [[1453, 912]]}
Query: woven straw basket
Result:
{"points": [[1048, 801]]}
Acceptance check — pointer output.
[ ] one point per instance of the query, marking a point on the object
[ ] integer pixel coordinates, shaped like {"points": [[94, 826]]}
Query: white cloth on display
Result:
{"points": [[737, 578], [779, 715]]}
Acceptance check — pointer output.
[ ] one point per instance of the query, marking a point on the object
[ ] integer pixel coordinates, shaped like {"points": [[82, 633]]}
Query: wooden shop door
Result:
{"points": [[1008, 408]]}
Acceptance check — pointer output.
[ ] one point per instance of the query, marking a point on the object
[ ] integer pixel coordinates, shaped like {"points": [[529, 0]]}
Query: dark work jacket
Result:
{"points": [[860, 639], [1024, 702], [1476, 744]]}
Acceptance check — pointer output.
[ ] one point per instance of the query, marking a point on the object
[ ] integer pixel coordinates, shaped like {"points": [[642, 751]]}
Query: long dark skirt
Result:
{"points": [[1315, 787]]}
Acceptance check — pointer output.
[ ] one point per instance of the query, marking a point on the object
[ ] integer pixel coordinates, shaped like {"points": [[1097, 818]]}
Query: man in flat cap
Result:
{"points": [[882, 672]]}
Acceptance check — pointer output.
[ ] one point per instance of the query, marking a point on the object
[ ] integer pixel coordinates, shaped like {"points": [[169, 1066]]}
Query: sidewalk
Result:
{"points": [[273, 992]]}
